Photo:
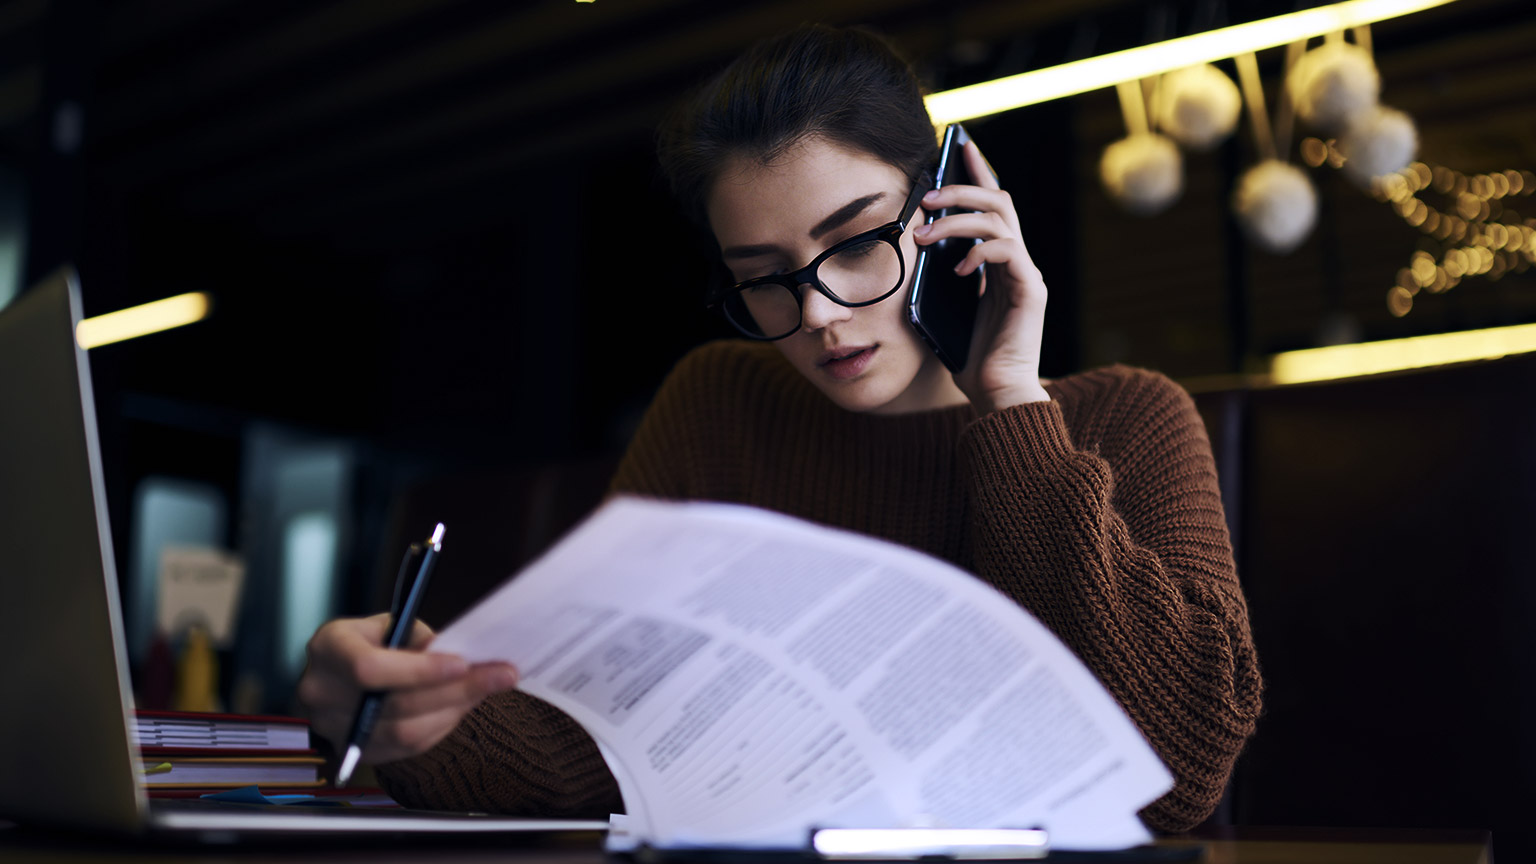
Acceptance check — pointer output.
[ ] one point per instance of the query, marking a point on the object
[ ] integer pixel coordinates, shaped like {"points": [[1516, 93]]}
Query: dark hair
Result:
{"points": [[846, 85]]}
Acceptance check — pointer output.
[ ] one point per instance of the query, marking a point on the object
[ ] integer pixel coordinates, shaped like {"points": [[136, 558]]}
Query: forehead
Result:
{"points": [[751, 202]]}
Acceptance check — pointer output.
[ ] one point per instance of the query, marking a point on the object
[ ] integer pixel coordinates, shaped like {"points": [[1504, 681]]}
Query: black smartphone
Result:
{"points": [[942, 306]]}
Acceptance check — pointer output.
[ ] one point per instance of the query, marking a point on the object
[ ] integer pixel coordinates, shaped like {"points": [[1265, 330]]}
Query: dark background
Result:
{"points": [[434, 230], [387, 198]]}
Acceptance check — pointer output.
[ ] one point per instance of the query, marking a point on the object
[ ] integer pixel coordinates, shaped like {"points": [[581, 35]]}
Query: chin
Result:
{"points": [[860, 397], [871, 393], [855, 404]]}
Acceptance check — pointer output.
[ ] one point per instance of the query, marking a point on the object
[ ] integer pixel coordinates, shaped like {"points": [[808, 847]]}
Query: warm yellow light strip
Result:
{"points": [[1372, 358], [1093, 73], [142, 320]]}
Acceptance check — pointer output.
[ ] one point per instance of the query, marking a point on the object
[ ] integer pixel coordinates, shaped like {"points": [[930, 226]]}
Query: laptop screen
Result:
{"points": [[65, 756]]}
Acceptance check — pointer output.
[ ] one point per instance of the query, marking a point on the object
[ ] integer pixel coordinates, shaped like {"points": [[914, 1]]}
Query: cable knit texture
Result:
{"points": [[1097, 511]]}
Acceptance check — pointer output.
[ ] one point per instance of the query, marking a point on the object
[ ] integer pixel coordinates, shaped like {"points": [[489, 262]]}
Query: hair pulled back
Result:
{"points": [[845, 85]]}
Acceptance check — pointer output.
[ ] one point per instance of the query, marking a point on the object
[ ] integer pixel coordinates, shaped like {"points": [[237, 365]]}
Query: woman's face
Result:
{"points": [[776, 218]]}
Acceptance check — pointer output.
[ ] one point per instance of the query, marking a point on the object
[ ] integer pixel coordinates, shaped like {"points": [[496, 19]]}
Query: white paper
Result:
{"points": [[750, 677], [199, 586]]}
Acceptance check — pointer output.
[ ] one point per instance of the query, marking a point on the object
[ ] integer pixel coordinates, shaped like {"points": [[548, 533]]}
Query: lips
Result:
{"points": [[847, 361]]}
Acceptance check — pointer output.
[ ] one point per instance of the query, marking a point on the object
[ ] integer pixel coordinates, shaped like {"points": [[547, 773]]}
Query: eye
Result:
{"points": [[859, 250]]}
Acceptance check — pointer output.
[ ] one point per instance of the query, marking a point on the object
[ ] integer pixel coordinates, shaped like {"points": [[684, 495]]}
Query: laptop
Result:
{"points": [[67, 757]]}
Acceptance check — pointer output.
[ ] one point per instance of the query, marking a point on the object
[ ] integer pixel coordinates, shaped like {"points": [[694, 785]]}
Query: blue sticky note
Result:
{"points": [[252, 795]]}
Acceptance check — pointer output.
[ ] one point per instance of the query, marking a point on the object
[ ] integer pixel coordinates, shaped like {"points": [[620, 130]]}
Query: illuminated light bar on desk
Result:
{"points": [[1414, 352], [1107, 70], [142, 320]]}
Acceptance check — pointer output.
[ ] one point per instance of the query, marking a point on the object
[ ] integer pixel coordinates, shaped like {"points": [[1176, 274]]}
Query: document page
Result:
{"points": [[750, 676]]}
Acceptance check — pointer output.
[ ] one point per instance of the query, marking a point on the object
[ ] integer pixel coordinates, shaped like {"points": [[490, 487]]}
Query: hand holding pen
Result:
{"points": [[428, 693]]}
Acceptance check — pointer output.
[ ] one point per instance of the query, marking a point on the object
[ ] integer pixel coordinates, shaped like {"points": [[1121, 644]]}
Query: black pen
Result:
{"points": [[402, 616]]}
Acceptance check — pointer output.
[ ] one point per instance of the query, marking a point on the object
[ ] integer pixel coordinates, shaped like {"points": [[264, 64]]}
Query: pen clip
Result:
{"points": [[408, 565]]}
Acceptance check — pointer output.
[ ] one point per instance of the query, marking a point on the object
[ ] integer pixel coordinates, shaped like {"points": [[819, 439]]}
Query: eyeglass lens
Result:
{"points": [[857, 274]]}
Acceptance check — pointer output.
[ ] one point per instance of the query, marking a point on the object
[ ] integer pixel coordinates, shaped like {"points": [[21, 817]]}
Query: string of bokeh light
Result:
{"points": [[1477, 231]]}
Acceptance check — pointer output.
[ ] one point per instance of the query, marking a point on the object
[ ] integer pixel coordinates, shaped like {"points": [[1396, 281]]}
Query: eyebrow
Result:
{"points": [[840, 217], [844, 214]]}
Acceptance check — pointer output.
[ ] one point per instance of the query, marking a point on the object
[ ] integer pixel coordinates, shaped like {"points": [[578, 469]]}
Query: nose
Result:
{"points": [[817, 310]]}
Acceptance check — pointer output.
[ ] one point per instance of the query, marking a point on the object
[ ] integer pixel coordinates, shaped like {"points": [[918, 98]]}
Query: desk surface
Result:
{"points": [[1252, 845], [1223, 846]]}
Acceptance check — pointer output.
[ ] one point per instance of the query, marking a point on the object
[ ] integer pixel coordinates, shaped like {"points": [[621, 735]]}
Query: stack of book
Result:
{"points": [[185, 754]]}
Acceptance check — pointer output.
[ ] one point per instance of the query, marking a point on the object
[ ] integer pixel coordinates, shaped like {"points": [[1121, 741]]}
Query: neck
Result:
{"points": [[932, 389]]}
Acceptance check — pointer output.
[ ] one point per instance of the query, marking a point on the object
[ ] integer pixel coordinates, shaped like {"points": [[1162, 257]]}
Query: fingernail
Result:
{"points": [[505, 678], [921, 230], [932, 194]]}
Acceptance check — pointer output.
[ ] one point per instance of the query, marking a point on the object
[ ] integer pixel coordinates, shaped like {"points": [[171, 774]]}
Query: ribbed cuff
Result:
{"points": [[1020, 437]]}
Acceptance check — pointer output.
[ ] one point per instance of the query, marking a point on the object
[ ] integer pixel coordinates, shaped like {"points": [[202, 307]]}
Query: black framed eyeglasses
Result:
{"points": [[859, 271]]}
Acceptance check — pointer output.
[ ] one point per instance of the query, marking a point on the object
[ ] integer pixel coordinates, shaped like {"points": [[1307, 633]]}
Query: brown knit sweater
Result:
{"points": [[1097, 511]]}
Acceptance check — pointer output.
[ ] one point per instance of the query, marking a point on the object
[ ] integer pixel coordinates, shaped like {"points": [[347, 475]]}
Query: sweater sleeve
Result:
{"points": [[1122, 550], [513, 754]]}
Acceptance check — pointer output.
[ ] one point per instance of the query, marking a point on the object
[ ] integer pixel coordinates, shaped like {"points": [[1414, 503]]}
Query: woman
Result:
{"points": [[1091, 500]]}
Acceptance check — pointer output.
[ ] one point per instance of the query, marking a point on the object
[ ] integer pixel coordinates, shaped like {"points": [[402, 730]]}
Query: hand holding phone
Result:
{"points": [[942, 305], [978, 226]]}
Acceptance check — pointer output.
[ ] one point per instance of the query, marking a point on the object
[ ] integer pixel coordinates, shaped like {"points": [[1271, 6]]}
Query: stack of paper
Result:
{"points": [[196, 751]]}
